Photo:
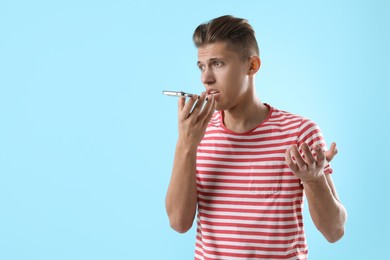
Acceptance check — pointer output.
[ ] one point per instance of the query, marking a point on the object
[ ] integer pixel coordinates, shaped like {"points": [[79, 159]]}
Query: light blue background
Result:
{"points": [[87, 139]]}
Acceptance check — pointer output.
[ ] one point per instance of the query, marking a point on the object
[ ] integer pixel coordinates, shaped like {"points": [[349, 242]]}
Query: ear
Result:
{"points": [[255, 64]]}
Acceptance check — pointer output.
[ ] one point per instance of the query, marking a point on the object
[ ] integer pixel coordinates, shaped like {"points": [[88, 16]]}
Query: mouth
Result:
{"points": [[212, 92], [215, 93]]}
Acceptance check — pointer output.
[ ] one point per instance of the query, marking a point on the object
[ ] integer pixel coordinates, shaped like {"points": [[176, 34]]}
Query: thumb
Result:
{"points": [[331, 152]]}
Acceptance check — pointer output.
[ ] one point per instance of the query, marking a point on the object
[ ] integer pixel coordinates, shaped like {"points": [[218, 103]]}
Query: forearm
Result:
{"points": [[327, 212], [181, 196]]}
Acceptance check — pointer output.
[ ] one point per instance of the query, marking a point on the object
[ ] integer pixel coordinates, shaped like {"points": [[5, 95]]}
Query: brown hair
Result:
{"points": [[236, 32]]}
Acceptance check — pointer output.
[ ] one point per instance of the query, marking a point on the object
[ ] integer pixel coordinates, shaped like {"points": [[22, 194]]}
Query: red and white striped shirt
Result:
{"points": [[249, 202]]}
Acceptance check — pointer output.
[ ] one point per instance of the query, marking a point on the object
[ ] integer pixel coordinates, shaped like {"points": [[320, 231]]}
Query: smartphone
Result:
{"points": [[177, 94]]}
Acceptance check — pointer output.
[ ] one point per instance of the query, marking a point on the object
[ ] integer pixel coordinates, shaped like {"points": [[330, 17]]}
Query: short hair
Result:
{"points": [[236, 32]]}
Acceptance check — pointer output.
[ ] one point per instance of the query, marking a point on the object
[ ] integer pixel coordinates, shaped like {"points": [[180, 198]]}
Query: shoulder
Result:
{"points": [[282, 114], [278, 114], [285, 117], [301, 125]]}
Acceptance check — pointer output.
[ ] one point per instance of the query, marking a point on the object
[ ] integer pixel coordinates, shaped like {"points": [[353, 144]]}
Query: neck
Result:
{"points": [[246, 115]]}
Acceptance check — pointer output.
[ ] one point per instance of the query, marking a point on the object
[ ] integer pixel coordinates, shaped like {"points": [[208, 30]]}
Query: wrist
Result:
{"points": [[315, 183], [186, 148]]}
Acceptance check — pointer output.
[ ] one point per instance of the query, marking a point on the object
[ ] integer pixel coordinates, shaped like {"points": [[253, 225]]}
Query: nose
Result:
{"points": [[208, 77]]}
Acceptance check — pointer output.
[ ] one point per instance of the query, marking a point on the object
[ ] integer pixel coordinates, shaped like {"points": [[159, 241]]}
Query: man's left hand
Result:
{"points": [[307, 167]]}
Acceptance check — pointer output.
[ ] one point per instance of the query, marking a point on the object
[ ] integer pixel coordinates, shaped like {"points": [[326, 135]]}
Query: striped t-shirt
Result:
{"points": [[249, 202]]}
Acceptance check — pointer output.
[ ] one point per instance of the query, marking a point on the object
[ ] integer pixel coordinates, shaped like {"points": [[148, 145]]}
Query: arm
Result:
{"points": [[181, 198], [326, 210]]}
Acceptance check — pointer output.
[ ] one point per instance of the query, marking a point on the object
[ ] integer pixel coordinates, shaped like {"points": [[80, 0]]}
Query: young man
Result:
{"points": [[246, 165]]}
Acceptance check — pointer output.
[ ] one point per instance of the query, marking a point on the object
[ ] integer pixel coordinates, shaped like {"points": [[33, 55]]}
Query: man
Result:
{"points": [[246, 165]]}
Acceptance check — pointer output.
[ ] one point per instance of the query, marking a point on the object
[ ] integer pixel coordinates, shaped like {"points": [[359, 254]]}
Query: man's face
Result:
{"points": [[223, 73]]}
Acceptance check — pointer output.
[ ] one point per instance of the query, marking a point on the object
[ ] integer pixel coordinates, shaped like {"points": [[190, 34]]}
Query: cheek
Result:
{"points": [[235, 80], [230, 77]]}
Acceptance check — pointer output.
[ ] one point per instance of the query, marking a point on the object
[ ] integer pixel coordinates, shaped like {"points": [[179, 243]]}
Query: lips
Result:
{"points": [[212, 92]]}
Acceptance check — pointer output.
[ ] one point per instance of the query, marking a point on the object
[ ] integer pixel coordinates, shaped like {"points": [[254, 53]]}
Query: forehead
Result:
{"points": [[215, 50]]}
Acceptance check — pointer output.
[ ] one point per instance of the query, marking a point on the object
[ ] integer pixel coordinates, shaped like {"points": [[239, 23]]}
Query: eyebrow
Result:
{"points": [[210, 60]]}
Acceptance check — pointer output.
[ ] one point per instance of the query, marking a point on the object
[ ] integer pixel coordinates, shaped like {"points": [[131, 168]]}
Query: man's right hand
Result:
{"points": [[194, 118]]}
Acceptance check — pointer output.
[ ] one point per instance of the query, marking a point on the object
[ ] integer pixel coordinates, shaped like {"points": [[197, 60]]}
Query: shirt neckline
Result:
{"points": [[271, 110]]}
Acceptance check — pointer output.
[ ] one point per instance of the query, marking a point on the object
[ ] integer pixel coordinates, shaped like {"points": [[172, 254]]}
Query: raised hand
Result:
{"points": [[306, 167], [194, 118]]}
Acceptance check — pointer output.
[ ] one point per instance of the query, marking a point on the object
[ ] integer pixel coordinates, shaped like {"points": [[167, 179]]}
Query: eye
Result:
{"points": [[217, 63], [201, 67]]}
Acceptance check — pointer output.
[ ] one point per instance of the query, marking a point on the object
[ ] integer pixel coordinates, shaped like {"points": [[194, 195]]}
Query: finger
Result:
{"points": [[308, 156], [333, 147], [199, 104], [331, 153], [298, 158], [185, 112], [320, 156], [289, 160], [210, 109], [181, 103]]}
